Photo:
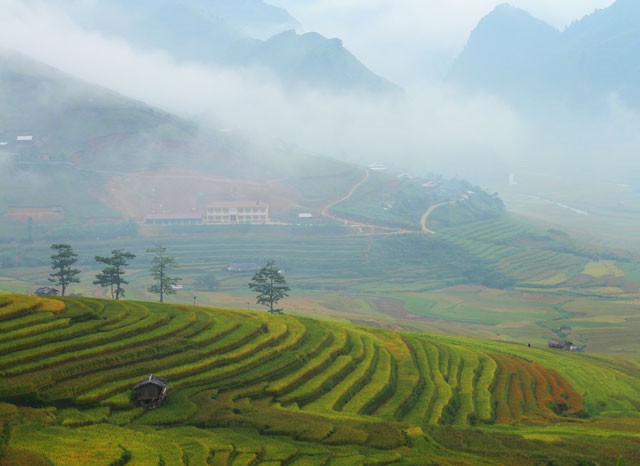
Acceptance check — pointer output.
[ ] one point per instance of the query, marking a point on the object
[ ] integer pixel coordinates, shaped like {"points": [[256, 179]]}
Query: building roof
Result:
{"points": [[560, 343], [46, 291], [173, 217], [153, 380], [238, 204]]}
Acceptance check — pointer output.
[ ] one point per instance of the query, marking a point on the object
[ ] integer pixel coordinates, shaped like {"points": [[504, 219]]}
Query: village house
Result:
{"points": [[151, 392], [560, 344], [47, 291]]}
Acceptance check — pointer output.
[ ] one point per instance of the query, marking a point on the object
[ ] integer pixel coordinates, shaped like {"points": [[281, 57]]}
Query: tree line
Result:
{"points": [[269, 282], [112, 275]]}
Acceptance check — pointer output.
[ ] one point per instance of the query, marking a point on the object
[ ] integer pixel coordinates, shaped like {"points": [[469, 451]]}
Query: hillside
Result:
{"points": [[521, 58], [62, 139], [72, 121], [74, 153], [249, 388]]}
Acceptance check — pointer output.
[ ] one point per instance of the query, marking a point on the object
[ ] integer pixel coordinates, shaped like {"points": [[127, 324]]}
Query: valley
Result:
{"points": [[462, 256]]}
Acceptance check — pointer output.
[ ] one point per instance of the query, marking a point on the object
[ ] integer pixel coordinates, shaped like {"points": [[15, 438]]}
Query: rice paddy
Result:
{"points": [[251, 388]]}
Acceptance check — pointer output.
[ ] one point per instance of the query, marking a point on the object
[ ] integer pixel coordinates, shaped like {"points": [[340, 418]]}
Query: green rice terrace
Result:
{"points": [[248, 388]]}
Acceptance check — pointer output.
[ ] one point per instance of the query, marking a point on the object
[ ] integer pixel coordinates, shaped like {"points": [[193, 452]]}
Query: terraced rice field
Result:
{"points": [[530, 256], [317, 385]]}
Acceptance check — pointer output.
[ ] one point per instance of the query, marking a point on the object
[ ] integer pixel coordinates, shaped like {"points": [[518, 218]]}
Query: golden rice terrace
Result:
{"points": [[251, 388]]}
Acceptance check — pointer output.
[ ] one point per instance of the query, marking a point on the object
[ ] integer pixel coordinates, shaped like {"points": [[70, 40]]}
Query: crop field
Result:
{"points": [[497, 278], [251, 388], [529, 256]]}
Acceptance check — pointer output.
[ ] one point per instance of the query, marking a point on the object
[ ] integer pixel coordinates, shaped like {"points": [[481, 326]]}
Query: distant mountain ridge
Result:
{"points": [[233, 33], [521, 58], [312, 60]]}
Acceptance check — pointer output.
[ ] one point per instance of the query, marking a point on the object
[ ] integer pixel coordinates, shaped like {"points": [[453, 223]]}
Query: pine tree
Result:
{"points": [[111, 275], [271, 286], [161, 265], [61, 262]]}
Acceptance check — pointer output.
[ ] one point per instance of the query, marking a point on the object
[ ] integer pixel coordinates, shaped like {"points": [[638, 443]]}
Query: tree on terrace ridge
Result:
{"points": [[271, 286], [63, 274], [111, 275], [161, 265]]}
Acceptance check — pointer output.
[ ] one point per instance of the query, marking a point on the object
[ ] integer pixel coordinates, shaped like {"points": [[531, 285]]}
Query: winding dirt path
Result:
{"points": [[427, 214], [326, 210]]}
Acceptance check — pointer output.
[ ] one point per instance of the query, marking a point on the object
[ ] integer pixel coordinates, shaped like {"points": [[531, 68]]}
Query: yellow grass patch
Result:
{"points": [[414, 431], [52, 305], [606, 290], [552, 281], [549, 438], [603, 269]]}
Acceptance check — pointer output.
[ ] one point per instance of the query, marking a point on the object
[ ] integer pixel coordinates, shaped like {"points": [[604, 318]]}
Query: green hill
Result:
{"points": [[85, 151], [249, 388]]}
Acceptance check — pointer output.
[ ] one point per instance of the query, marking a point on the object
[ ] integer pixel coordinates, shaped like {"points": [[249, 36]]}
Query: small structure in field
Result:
{"points": [[46, 291], [576, 349], [243, 268], [151, 392], [560, 344]]}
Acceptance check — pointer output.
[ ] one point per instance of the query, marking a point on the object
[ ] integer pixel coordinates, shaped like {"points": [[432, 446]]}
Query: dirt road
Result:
{"points": [[427, 214]]}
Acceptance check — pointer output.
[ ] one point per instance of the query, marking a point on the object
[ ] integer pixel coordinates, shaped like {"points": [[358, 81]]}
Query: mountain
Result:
{"points": [[312, 60], [232, 33], [514, 55], [506, 53]]}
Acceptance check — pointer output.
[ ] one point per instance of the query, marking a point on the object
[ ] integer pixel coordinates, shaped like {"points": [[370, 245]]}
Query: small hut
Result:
{"points": [[151, 392], [560, 344], [46, 291]]}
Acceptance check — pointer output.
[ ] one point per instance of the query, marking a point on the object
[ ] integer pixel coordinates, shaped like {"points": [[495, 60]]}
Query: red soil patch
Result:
{"points": [[181, 191], [37, 214]]}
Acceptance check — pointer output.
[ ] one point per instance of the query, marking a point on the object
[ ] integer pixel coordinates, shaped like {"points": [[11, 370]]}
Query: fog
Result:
{"points": [[432, 127]]}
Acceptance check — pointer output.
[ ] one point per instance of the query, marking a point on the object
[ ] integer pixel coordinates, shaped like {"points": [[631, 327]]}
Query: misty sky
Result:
{"points": [[406, 40], [434, 129]]}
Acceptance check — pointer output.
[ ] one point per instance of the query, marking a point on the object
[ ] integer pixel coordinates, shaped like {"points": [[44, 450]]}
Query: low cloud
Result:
{"points": [[431, 128]]}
